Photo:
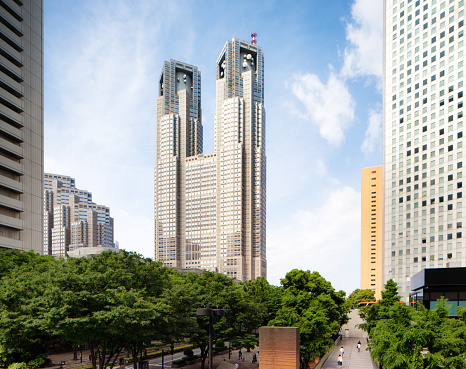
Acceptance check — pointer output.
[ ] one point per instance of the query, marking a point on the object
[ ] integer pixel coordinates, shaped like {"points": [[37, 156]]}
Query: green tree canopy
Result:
{"points": [[403, 337], [311, 303], [358, 296]]}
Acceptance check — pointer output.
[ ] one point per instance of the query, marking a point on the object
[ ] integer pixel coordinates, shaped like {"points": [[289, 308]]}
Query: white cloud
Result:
{"points": [[330, 106], [100, 115], [364, 55], [326, 240], [373, 136]]}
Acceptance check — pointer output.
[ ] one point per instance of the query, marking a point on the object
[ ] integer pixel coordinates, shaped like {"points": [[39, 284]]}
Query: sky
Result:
{"points": [[323, 101]]}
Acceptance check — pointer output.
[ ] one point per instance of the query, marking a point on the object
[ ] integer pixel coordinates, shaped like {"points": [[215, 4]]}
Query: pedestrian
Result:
{"points": [[340, 360], [254, 358], [359, 346], [236, 364], [240, 354], [342, 351]]}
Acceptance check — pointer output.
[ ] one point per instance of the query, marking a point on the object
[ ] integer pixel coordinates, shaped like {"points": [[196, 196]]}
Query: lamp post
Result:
{"points": [[210, 313]]}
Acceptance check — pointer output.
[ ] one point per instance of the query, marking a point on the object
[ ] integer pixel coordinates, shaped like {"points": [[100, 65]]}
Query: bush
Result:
{"points": [[188, 352], [39, 362], [179, 361], [220, 345], [17, 366]]}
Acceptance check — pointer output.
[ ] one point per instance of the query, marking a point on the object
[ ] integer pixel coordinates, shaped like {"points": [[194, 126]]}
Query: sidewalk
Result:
{"points": [[352, 359], [246, 363]]}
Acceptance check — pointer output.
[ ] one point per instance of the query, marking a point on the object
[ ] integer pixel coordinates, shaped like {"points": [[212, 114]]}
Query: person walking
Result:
{"points": [[359, 346], [342, 351], [240, 354], [340, 360]]}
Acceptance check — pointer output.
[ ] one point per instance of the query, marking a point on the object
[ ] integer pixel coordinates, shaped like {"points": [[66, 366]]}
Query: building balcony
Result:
{"points": [[11, 37], [10, 222], [10, 203], [11, 243], [13, 132], [11, 184], [11, 101], [11, 165], [11, 117], [10, 69], [11, 148]]}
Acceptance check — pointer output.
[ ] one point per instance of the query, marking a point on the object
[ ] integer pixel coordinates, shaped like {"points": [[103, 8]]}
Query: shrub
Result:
{"points": [[220, 345], [188, 352], [17, 366], [39, 362], [179, 361]]}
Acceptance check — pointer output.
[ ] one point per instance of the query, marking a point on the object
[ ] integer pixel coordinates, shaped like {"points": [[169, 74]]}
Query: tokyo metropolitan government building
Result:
{"points": [[423, 137], [210, 209]]}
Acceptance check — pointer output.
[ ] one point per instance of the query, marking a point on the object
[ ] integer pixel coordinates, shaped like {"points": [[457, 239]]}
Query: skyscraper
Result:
{"points": [[372, 229], [21, 124], [73, 224], [423, 137], [210, 209]]}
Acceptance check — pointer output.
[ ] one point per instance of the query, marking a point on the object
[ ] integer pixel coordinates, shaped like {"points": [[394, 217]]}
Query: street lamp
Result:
{"points": [[210, 313]]}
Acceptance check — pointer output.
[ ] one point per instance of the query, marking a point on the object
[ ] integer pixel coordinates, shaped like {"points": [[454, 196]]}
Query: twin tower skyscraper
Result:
{"points": [[210, 209]]}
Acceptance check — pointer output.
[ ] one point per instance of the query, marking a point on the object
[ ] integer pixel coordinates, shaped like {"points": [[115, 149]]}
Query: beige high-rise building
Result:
{"points": [[21, 124], [423, 106], [372, 230], [210, 209], [73, 224]]}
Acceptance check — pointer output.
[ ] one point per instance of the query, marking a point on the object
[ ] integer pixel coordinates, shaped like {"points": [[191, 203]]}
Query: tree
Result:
{"points": [[23, 333], [311, 303], [112, 302], [402, 337], [390, 294], [109, 302], [262, 293], [358, 296]]}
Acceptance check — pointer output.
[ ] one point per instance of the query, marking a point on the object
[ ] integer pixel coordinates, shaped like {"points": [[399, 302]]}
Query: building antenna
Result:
{"points": [[253, 35]]}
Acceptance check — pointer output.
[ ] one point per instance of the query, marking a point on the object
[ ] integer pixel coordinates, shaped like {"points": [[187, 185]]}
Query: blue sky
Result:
{"points": [[323, 67]]}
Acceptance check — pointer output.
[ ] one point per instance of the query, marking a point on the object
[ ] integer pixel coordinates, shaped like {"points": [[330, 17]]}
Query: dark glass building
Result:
{"points": [[429, 285]]}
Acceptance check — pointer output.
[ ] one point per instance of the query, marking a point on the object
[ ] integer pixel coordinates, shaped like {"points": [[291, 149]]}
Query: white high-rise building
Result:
{"points": [[210, 208], [73, 224], [423, 137]]}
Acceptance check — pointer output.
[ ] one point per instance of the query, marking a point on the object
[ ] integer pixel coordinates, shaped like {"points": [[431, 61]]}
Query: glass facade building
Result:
{"points": [[423, 91]]}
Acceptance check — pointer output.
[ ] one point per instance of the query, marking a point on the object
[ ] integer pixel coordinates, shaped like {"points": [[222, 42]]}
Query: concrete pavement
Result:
{"points": [[352, 359]]}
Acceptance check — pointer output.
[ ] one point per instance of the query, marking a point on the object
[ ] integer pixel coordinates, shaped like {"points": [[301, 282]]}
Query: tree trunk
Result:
{"points": [[134, 352], [92, 351]]}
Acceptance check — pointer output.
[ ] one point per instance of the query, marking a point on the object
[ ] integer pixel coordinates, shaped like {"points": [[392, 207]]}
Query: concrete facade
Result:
{"points": [[372, 230], [210, 210], [423, 90], [21, 124], [73, 224]]}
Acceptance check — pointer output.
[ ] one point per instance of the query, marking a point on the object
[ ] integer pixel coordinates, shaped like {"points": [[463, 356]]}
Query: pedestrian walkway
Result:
{"points": [[352, 359]]}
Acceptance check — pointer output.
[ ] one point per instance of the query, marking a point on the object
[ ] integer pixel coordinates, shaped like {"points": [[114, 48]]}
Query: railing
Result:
{"points": [[328, 354]]}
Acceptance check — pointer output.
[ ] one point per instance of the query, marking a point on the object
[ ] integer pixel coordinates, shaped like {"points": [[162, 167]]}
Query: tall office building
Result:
{"points": [[423, 137], [210, 209], [21, 124], [372, 230], [73, 224]]}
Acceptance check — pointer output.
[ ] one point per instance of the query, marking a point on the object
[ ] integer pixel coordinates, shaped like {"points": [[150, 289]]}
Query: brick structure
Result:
{"points": [[279, 347]]}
